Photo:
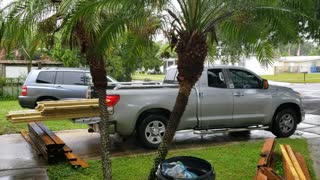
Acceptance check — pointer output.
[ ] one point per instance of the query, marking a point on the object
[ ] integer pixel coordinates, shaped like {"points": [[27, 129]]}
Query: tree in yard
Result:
{"points": [[91, 26], [243, 26]]}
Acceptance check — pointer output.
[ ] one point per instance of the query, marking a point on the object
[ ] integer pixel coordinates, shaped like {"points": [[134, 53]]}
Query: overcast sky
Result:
{"points": [[4, 3]]}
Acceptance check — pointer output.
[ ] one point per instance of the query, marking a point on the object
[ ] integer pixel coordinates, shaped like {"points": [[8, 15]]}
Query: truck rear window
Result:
{"points": [[46, 77], [171, 76]]}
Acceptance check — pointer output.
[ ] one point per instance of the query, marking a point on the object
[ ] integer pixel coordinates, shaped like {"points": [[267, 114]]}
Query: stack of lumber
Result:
{"points": [[50, 146], [266, 162], [52, 110], [294, 165], [46, 142]]}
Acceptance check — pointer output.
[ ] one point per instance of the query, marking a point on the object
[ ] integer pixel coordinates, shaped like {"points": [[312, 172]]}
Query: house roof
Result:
{"points": [[23, 62], [299, 58]]}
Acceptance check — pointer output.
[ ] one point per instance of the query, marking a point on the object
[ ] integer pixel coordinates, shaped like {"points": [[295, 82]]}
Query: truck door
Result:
{"points": [[251, 102], [216, 100]]}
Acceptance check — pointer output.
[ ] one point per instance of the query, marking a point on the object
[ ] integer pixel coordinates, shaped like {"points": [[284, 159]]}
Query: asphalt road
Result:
{"points": [[310, 95]]}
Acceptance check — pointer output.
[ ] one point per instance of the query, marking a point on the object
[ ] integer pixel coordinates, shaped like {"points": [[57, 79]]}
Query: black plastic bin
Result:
{"points": [[200, 167]]}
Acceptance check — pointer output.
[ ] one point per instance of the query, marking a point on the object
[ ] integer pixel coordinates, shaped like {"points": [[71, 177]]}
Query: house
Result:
{"points": [[19, 68], [298, 64]]}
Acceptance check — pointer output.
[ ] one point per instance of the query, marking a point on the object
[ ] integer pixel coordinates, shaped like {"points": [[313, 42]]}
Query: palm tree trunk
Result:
{"points": [[179, 108], [98, 73], [192, 51], [99, 77]]}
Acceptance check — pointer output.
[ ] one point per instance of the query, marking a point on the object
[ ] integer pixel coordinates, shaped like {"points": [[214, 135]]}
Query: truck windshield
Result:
{"points": [[171, 77]]}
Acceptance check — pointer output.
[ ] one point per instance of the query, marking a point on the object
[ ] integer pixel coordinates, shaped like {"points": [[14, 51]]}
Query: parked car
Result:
{"points": [[226, 98], [55, 84]]}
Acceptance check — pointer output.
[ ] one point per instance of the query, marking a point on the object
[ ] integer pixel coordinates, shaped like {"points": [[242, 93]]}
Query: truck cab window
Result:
{"points": [[244, 80], [171, 76], [216, 78]]}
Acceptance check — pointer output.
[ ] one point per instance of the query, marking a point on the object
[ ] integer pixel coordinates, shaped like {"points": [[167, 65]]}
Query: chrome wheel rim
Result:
{"points": [[154, 132], [286, 123]]}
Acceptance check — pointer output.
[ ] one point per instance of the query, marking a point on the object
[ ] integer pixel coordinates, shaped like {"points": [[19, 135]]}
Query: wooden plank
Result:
{"points": [[53, 117], [39, 132], [67, 149], [295, 162], [22, 113], [53, 136], [270, 173], [289, 166], [303, 165], [70, 156], [267, 152], [39, 146], [79, 162], [26, 136], [68, 102], [260, 175]]}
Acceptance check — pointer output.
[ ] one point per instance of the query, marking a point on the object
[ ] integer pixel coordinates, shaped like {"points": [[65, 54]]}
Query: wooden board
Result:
{"points": [[55, 138], [70, 156], [267, 153], [303, 165], [295, 163], [26, 136], [33, 127], [289, 170]]}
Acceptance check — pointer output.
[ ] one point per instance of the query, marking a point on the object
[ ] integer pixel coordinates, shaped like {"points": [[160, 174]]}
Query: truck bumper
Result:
{"points": [[27, 102]]}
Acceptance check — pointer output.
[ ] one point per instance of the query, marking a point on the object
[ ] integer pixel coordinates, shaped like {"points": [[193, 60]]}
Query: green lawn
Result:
{"points": [[294, 77], [7, 127], [142, 77], [231, 161]]}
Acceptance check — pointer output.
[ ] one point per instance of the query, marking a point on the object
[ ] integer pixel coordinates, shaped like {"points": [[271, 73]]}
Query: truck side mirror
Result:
{"points": [[265, 84]]}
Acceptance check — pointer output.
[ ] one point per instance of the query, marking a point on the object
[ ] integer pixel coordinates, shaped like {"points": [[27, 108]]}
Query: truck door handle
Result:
{"points": [[238, 94], [200, 94], [58, 87]]}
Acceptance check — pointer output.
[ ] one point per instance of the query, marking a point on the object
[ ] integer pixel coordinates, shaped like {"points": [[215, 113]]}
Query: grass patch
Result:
{"points": [[150, 77], [231, 161], [7, 127], [293, 77]]}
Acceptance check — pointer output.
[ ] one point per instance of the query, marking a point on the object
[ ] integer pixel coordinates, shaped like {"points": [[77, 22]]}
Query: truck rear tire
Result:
{"points": [[285, 123], [151, 131]]}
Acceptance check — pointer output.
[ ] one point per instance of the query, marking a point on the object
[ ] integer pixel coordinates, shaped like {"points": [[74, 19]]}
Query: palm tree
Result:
{"points": [[92, 26], [247, 26]]}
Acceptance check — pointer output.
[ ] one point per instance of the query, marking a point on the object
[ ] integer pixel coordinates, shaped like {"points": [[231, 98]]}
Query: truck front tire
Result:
{"points": [[151, 131], [285, 123]]}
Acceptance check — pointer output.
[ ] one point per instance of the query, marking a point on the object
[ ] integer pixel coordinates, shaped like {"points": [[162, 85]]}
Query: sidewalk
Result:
{"points": [[314, 146]]}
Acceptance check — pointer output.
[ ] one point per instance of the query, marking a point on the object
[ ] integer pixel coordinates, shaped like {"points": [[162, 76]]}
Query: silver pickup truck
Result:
{"points": [[226, 98]]}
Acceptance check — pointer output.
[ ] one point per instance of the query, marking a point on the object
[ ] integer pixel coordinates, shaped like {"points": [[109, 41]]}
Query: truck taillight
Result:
{"points": [[24, 91], [112, 100]]}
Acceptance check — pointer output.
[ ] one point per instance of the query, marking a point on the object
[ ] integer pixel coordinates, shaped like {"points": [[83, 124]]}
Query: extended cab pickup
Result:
{"points": [[226, 98]]}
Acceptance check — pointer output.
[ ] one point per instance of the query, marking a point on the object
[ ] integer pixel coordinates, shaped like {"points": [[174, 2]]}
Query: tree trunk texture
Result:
{"points": [[192, 51], [98, 73], [99, 78]]}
